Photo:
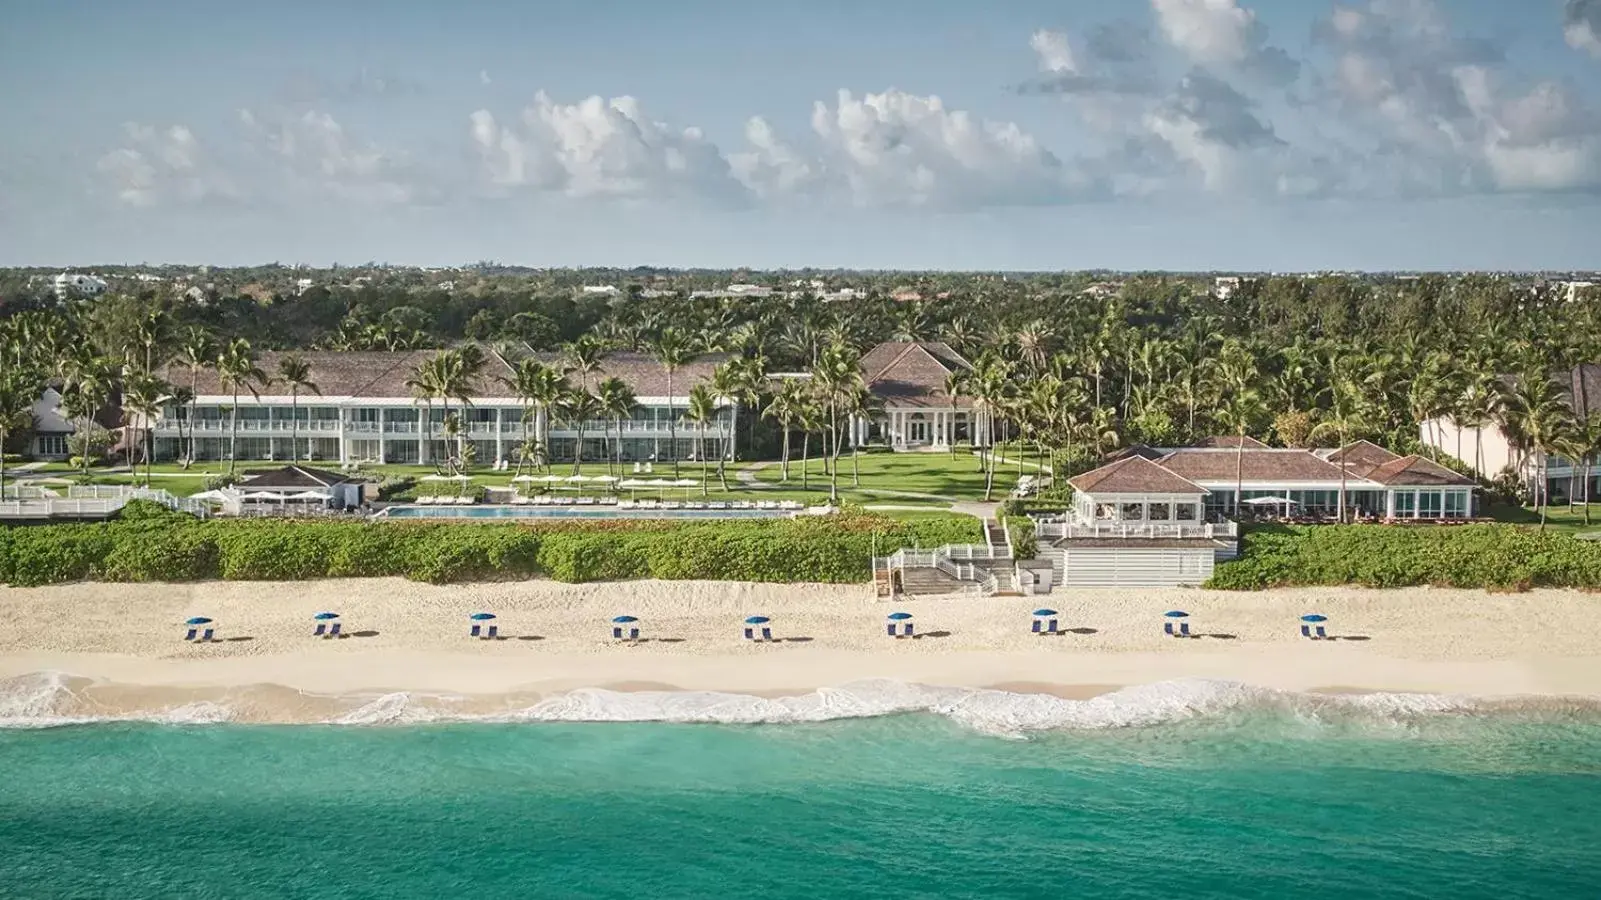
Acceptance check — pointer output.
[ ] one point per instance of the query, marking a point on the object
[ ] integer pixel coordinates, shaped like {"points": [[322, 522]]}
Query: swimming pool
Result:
{"points": [[574, 512]]}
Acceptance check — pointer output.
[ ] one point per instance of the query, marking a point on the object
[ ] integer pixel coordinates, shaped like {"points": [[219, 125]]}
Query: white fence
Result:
{"points": [[95, 502], [1061, 530]]}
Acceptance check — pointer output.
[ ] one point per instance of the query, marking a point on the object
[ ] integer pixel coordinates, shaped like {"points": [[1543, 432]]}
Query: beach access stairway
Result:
{"points": [[987, 569], [95, 501]]}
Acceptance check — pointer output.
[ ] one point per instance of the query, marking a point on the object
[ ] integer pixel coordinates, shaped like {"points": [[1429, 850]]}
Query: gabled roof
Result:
{"points": [[1361, 457], [337, 373], [1229, 441], [1281, 466], [642, 372], [1134, 450], [1134, 475], [913, 373], [295, 477], [1409, 471]]}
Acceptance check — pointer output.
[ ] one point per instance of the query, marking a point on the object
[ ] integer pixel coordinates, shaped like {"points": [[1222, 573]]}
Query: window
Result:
{"points": [[1161, 512], [1456, 505], [52, 445], [1429, 504], [1405, 504], [1133, 512], [1185, 511], [1105, 511]]}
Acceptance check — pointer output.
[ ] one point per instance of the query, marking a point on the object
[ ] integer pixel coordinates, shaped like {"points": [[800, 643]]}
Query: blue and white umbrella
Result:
{"points": [[1042, 613], [324, 616], [899, 616], [198, 620], [1176, 614], [1314, 617], [481, 617], [624, 620], [757, 620]]}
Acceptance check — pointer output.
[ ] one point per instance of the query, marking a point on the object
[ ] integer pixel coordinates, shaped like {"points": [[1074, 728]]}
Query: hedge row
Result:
{"points": [[148, 546], [1497, 557]]}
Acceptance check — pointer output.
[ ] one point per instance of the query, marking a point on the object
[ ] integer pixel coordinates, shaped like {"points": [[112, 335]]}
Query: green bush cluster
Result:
{"points": [[1497, 557], [450, 489], [149, 543], [1025, 543]]}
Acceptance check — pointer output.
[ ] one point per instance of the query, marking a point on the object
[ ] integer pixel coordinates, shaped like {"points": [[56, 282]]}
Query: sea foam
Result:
{"points": [[49, 699]]}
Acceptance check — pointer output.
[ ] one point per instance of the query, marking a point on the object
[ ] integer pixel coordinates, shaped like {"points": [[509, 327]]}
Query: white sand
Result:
{"points": [[1436, 641]]}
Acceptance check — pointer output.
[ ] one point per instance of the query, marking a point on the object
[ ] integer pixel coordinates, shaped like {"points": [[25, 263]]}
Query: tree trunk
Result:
{"points": [[672, 426], [783, 455], [194, 389], [700, 451], [1239, 472], [150, 433], [233, 432], [806, 454], [294, 425], [578, 450]]}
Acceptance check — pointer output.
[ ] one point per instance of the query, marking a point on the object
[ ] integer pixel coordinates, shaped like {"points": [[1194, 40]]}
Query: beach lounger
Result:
{"points": [[322, 630], [1051, 627], [207, 634], [1306, 631], [750, 634], [891, 627], [1035, 627], [494, 632], [1184, 629], [739, 504], [627, 504], [767, 633], [767, 504], [1167, 628], [333, 630], [477, 631], [609, 501], [617, 632], [586, 501], [633, 634], [908, 629], [190, 635], [1322, 633]]}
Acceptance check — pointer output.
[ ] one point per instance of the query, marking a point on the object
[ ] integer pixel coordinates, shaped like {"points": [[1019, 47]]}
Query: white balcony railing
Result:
{"points": [[1057, 531]]}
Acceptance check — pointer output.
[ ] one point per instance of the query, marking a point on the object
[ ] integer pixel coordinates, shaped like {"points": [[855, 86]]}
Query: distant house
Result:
{"points": [[1489, 450], [342, 490], [906, 295], [69, 284], [604, 290], [910, 379], [1224, 288], [51, 429]]}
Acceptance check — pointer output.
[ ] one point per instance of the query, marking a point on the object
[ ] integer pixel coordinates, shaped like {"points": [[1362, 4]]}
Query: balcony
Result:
{"points": [[1060, 530]]}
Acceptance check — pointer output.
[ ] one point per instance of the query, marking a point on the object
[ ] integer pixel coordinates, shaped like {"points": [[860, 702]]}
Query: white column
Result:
{"points": [[344, 452], [383, 445], [500, 432]]}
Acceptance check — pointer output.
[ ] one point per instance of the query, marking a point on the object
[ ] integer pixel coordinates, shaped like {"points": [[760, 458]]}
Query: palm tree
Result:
{"points": [[990, 386], [1241, 408], [1582, 444], [809, 416], [617, 400], [837, 374], [583, 357], [728, 385], [198, 350], [674, 350], [1344, 418], [859, 404], [142, 395], [578, 408], [17, 396], [785, 409], [702, 411], [181, 398], [236, 368], [294, 371], [1539, 419], [87, 388], [539, 388]]}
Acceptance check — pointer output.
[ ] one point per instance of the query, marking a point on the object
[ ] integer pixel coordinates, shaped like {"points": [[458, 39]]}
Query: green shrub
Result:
{"points": [[218, 482], [1025, 544], [1497, 557]]}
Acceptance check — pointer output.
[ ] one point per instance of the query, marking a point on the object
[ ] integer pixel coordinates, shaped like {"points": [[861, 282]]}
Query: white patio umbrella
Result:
{"points": [[262, 495], [576, 479], [311, 495], [606, 479], [552, 479], [1271, 501], [210, 497], [526, 478]]}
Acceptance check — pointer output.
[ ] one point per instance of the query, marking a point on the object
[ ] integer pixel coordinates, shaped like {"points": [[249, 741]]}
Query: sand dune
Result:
{"points": [[411, 636]]}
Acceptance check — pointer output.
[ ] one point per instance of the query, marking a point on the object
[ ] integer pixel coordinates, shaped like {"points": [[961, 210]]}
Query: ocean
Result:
{"points": [[1191, 789]]}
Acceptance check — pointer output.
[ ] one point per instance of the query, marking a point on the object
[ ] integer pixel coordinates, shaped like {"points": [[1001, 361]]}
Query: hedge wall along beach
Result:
{"points": [[1497, 557], [154, 545]]}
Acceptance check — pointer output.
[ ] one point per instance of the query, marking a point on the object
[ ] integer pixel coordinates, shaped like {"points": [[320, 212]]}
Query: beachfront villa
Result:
{"points": [[1177, 492], [51, 429], [1489, 450], [911, 381], [364, 412]]}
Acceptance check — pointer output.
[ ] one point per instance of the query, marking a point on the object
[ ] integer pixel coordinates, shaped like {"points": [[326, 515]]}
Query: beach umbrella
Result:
{"points": [[210, 496], [198, 620], [551, 479], [481, 617], [633, 483], [324, 616], [757, 620], [686, 482], [263, 495], [1314, 618], [624, 620], [1045, 612], [899, 616], [1176, 614]]}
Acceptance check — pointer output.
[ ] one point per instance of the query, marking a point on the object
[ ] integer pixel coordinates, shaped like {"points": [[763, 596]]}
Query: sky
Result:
{"points": [[1260, 135]]}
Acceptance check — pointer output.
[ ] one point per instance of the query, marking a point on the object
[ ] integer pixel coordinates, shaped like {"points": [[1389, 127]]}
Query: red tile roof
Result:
{"points": [[1415, 471], [1134, 475], [1361, 457], [1255, 465], [1229, 441], [913, 373]]}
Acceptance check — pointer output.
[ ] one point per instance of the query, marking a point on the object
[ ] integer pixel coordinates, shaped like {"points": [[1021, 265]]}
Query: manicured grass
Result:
{"points": [[919, 473], [1557, 518]]}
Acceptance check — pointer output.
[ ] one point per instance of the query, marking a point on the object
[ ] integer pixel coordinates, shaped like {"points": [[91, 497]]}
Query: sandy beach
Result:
{"points": [[121, 644]]}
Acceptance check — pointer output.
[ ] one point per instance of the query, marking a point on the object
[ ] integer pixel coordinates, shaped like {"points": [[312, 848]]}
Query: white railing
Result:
{"points": [[96, 500], [223, 426], [1056, 531]]}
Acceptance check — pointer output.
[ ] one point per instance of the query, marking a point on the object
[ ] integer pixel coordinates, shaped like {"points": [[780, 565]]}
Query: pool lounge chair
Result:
{"points": [[750, 633], [321, 630], [586, 501], [627, 504], [717, 504], [739, 504], [476, 631], [767, 504], [891, 628], [609, 501], [1184, 629], [767, 633], [333, 630], [1306, 631], [1167, 629], [520, 500], [190, 634], [1322, 633], [1035, 627], [425, 501], [207, 635]]}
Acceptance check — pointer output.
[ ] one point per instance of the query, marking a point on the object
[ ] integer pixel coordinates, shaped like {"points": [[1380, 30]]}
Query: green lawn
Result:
{"points": [[918, 473], [1557, 518]]}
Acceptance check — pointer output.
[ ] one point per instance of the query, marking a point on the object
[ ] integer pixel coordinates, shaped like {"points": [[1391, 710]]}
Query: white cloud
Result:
{"points": [[600, 147], [1055, 53], [1581, 25], [483, 77], [316, 152], [1210, 31], [771, 167], [159, 165]]}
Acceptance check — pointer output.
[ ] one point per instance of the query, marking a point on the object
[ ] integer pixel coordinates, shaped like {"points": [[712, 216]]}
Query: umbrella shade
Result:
{"points": [[526, 478], [1270, 501], [657, 483], [481, 617], [311, 495], [577, 479], [686, 482], [633, 483], [757, 620], [198, 620], [263, 495], [1044, 612], [1314, 618], [900, 617], [209, 496], [552, 479], [1176, 614], [623, 620], [606, 478], [326, 615]]}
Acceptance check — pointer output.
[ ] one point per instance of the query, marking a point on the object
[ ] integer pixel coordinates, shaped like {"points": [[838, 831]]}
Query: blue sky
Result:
{"points": [[1171, 134]]}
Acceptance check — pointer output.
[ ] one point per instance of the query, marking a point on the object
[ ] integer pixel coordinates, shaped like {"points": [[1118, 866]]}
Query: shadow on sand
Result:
{"points": [[1348, 637], [931, 634], [235, 640], [529, 637], [1220, 636]]}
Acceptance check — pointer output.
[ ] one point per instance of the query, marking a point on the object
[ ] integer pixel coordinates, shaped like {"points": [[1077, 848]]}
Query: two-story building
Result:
{"points": [[364, 410]]}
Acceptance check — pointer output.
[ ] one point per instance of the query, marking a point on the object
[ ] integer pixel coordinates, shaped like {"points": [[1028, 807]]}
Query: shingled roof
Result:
{"points": [[1230, 442], [1133, 475], [1284, 466], [644, 374], [1361, 457], [913, 373], [1415, 471], [295, 477]]}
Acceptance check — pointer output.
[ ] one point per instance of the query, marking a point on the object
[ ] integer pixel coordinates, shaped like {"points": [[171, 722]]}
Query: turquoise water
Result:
{"points": [[1266, 803], [574, 512]]}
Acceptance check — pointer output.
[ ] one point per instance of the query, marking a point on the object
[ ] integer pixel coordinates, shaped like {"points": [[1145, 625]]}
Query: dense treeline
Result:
{"points": [[1072, 368], [150, 544], [1496, 557]]}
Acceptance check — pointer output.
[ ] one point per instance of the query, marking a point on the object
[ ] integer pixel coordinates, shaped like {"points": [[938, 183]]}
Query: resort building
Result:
{"points": [[365, 411], [51, 429], [1177, 492], [911, 379], [1489, 450]]}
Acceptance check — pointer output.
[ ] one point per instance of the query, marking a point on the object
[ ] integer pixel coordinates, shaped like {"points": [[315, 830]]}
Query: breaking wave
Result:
{"points": [[51, 699]]}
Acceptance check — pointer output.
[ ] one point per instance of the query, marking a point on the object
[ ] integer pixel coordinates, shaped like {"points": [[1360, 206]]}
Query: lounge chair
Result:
{"points": [[477, 631], [750, 634], [633, 634], [1036, 626], [333, 630], [1184, 629], [1051, 627], [609, 501], [617, 632], [190, 635], [494, 632], [767, 633], [1167, 629], [739, 504], [1322, 633], [425, 501], [322, 630], [908, 632], [206, 636], [520, 500], [627, 504], [1306, 631], [465, 500], [586, 501], [891, 627]]}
